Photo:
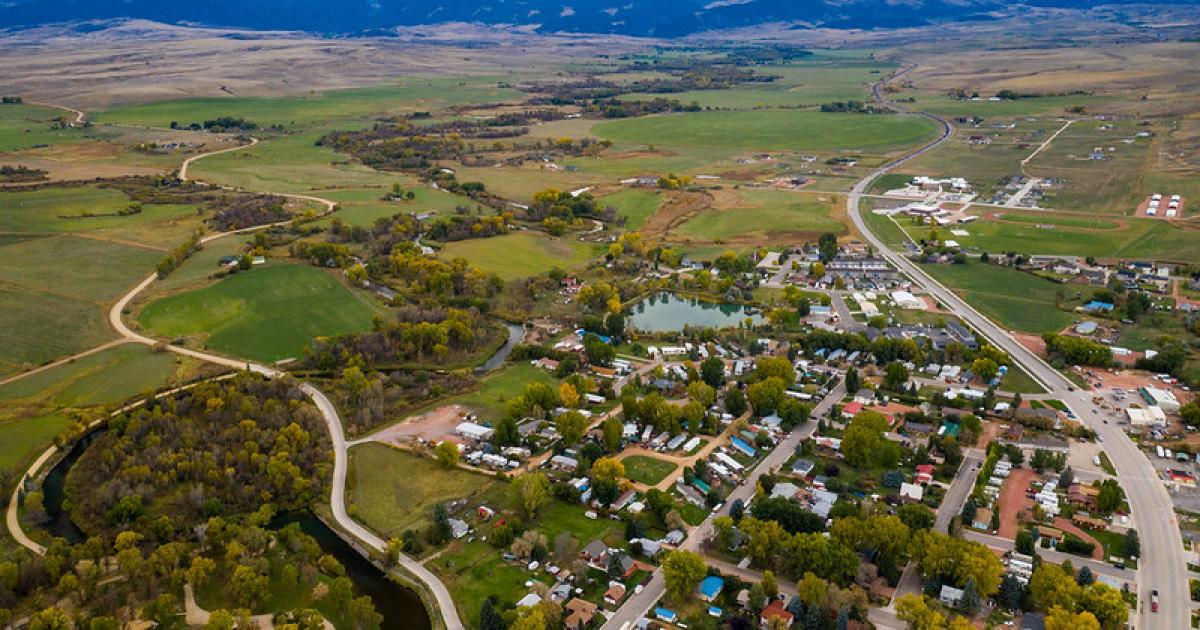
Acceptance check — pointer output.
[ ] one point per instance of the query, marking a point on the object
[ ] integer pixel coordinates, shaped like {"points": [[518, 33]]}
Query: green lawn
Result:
{"points": [[521, 254], [1018, 381], [766, 216], [636, 205], [1014, 299], [771, 130], [265, 314], [647, 470], [392, 490]]}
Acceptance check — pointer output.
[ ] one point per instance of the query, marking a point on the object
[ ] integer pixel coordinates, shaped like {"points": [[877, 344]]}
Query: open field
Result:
{"points": [[76, 210], [266, 314], [521, 254], [35, 328], [362, 206], [30, 126], [109, 376], [647, 470], [408, 95], [21, 440], [1012, 298], [801, 83], [392, 490], [522, 182], [762, 217], [634, 204], [771, 130], [68, 266], [497, 389]]}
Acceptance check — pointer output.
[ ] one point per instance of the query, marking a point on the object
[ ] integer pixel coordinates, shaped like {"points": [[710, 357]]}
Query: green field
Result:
{"points": [[266, 314], [1054, 234], [411, 94], [771, 130], [28, 126], [498, 388], [634, 204], [63, 210], [647, 470], [521, 254], [942, 103], [1012, 298], [112, 375], [766, 216], [38, 327], [22, 440], [801, 83], [361, 207], [392, 490], [82, 268]]}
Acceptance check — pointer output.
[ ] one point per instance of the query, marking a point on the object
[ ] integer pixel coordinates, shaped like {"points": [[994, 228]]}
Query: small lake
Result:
{"points": [[665, 312], [400, 606]]}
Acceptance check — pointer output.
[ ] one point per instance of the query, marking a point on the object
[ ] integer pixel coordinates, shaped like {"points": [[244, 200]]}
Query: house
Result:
{"points": [[624, 500], [529, 601], [1095, 276], [924, 474], [458, 528], [623, 564], [614, 594], [668, 616], [852, 409], [912, 491], [907, 300], [864, 396], [1033, 621], [1049, 532], [785, 490], [596, 555], [560, 592], [802, 467], [950, 596], [674, 537], [579, 614], [776, 610], [650, 548], [562, 462], [1082, 495], [710, 588]]}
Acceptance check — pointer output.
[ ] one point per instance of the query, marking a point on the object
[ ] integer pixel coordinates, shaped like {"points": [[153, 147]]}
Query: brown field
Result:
{"points": [[677, 206], [434, 425]]}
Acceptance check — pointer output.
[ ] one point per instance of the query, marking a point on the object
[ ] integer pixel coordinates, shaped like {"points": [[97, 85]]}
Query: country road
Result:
{"points": [[441, 594]]}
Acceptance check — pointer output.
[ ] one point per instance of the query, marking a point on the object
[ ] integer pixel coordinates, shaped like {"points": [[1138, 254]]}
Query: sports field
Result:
{"points": [[521, 254], [771, 130], [762, 217], [1012, 298], [265, 314]]}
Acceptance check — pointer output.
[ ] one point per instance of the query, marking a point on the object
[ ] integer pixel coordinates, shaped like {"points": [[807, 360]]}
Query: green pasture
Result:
{"points": [[265, 314], [521, 254], [111, 375], [67, 210], [772, 130], [37, 327], [498, 388], [766, 216], [83, 268], [362, 206], [22, 440], [1014, 299], [29, 126]]}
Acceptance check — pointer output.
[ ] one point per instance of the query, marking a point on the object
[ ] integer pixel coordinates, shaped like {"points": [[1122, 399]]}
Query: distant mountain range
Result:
{"points": [[659, 18]]}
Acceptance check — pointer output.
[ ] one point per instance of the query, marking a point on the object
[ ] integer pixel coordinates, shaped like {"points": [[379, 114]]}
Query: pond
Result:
{"points": [[665, 312], [400, 606]]}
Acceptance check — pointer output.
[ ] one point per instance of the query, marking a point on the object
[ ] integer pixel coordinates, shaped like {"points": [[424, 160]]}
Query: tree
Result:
{"points": [[916, 516], [571, 425], [702, 393], [985, 369], [913, 610], [1084, 577], [954, 560], [568, 395], [970, 599], [598, 352], [533, 492], [1106, 604], [735, 402], [221, 619], [853, 380], [712, 372], [1110, 496], [1190, 414], [895, 376], [722, 532], [1024, 542], [489, 619], [863, 436], [612, 432], [769, 585], [1051, 587], [812, 590], [1133, 546], [757, 598], [608, 469], [682, 571], [1011, 592], [1063, 619], [50, 619], [447, 453], [817, 270]]}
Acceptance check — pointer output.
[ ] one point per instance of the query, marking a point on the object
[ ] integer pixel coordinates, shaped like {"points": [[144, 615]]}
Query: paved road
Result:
{"points": [[639, 604], [1057, 557], [1162, 566]]}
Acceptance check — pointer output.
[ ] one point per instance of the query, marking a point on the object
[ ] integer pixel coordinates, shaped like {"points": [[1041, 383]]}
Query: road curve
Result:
{"points": [[1162, 566]]}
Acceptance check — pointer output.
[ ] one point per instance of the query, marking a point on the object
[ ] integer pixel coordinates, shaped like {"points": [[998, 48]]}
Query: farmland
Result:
{"points": [[764, 216], [265, 314], [633, 204], [95, 212], [521, 254]]}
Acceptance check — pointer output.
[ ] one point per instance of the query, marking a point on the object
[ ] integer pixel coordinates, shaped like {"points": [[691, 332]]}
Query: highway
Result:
{"points": [[639, 604], [1162, 566]]}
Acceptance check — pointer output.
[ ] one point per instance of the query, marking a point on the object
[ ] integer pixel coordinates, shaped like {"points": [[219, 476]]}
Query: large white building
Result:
{"points": [[904, 299], [1152, 416], [1161, 398]]}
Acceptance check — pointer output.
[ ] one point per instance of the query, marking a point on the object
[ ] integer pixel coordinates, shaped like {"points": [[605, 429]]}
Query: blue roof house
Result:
{"points": [[710, 587]]}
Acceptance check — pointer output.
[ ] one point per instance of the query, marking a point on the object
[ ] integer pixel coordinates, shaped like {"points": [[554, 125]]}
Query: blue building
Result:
{"points": [[710, 587]]}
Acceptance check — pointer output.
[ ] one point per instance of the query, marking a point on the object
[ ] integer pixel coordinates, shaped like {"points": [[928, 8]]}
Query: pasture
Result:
{"points": [[29, 126], [22, 440], [772, 130], [292, 164], [763, 217], [392, 490], [362, 206], [108, 376], [265, 314], [83, 268], [1014, 299], [521, 254], [38, 327], [94, 211], [498, 388]]}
